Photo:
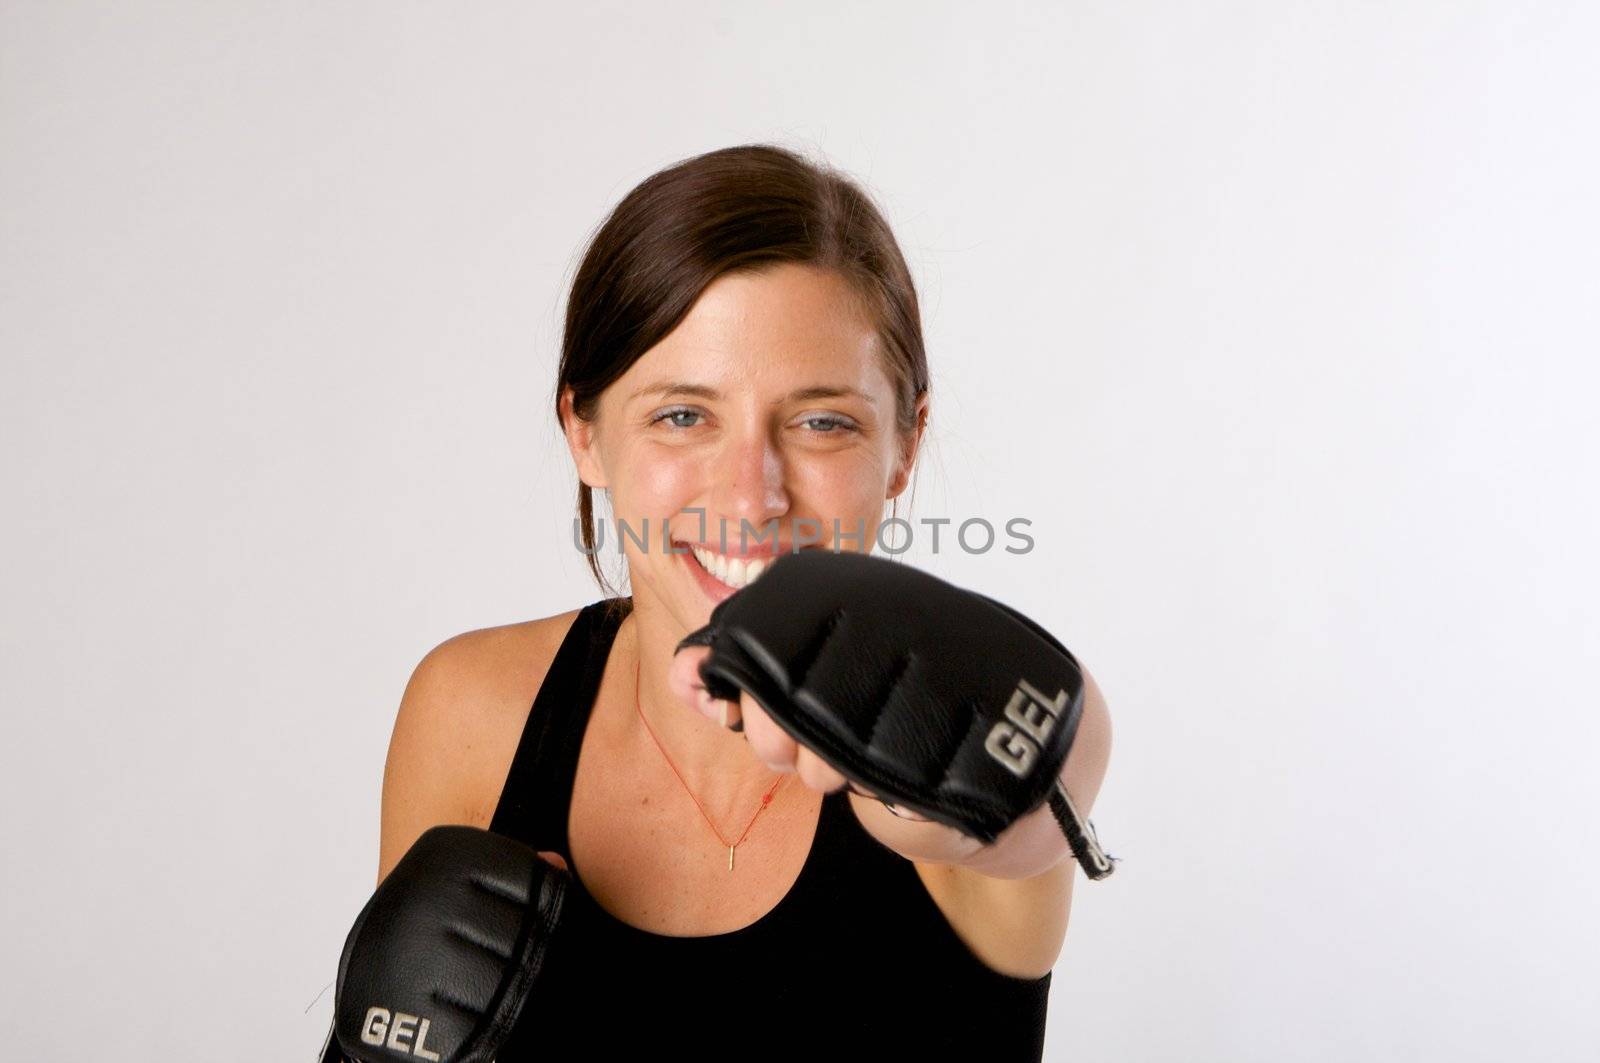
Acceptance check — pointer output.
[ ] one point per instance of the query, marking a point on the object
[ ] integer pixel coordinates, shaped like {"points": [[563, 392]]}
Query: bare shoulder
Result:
{"points": [[457, 728], [1018, 925]]}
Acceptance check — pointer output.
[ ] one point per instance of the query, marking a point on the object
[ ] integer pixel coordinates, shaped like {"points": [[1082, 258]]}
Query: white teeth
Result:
{"points": [[736, 573]]}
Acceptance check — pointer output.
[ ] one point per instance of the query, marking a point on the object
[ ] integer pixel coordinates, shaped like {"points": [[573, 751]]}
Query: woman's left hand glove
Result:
{"points": [[939, 700]]}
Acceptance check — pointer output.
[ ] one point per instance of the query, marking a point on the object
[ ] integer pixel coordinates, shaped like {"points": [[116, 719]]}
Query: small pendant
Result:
{"points": [[730, 858]]}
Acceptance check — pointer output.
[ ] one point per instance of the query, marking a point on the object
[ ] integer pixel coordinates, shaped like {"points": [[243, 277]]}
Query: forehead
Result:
{"points": [[770, 329]]}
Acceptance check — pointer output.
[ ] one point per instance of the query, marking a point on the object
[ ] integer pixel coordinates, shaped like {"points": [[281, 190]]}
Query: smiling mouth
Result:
{"points": [[735, 572]]}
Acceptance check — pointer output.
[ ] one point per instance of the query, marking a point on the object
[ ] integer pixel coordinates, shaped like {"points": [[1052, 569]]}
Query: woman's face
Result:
{"points": [[768, 405]]}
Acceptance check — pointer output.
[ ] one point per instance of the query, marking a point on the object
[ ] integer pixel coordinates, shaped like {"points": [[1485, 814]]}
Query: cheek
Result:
{"points": [[657, 483], [852, 489]]}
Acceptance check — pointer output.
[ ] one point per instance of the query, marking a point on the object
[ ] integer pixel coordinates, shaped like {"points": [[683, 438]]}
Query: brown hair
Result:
{"points": [[741, 208]]}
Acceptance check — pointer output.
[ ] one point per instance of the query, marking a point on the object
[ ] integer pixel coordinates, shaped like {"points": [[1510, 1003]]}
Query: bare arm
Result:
{"points": [[1010, 901], [422, 772], [457, 729]]}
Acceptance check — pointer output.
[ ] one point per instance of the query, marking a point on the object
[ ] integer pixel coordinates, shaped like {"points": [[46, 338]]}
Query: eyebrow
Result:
{"points": [[813, 391]]}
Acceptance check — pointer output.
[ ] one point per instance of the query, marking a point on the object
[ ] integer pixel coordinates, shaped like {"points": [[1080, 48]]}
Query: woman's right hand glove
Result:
{"points": [[446, 956]]}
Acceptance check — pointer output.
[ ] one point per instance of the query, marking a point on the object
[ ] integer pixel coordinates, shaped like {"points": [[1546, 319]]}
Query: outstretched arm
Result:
{"points": [[1010, 901]]}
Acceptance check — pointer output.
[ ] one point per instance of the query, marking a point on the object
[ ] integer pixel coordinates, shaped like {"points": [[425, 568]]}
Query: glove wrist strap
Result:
{"points": [[1080, 834]]}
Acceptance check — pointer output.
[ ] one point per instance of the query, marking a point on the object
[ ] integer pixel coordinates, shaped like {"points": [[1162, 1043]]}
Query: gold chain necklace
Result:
{"points": [[765, 800]]}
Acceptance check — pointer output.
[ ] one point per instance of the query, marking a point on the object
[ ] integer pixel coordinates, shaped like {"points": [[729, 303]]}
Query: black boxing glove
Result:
{"points": [[933, 697], [444, 959]]}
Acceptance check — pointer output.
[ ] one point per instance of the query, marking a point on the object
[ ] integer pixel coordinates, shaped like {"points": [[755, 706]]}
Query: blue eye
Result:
{"points": [[834, 423], [822, 424], [679, 411]]}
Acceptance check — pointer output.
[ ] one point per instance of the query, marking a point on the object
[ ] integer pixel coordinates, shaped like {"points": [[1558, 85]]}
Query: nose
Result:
{"points": [[750, 485]]}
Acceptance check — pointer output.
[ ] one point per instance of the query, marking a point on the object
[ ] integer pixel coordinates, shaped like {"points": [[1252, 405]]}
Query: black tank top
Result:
{"points": [[854, 961]]}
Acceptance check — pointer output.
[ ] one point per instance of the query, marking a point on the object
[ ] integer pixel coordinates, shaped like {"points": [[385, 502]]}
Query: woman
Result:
{"points": [[742, 350]]}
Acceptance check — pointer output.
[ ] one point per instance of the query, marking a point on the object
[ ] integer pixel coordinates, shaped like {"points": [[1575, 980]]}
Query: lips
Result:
{"points": [[721, 574], [734, 572]]}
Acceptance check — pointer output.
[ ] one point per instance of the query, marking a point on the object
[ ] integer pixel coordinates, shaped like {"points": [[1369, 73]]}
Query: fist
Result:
{"points": [[770, 744]]}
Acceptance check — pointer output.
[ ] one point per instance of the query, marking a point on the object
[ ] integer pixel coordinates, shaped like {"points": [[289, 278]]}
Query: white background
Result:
{"points": [[1277, 320]]}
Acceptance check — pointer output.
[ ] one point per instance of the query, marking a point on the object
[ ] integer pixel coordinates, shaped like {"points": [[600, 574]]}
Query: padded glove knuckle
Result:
{"points": [[934, 697]]}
